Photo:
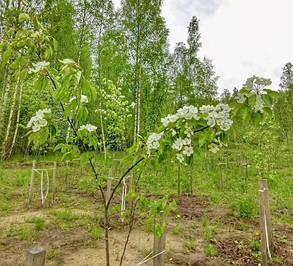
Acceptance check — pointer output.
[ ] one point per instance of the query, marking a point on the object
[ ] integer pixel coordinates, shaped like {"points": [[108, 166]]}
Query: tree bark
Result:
{"points": [[4, 145], [17, 123]]}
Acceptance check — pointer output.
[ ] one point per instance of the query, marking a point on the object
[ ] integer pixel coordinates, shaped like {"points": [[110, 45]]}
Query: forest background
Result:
{"points": [[125, 54]]}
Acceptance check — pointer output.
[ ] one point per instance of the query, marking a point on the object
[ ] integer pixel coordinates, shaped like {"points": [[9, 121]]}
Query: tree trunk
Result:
{"points": [[4, 102], [17, 123], [4, 145]]}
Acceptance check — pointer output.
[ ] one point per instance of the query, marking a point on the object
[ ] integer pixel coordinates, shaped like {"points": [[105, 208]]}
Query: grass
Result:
{"points": [[210, 250]]}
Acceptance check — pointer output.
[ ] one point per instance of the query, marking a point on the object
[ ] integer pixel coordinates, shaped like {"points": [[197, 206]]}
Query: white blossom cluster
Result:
{"points": [[90, 128], [217, 115], [38, 67], [258, 104], [153, 142], [214, 116], [38, 121], [187, 112]]}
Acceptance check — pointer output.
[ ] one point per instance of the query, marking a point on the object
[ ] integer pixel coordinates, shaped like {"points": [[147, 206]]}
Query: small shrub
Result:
{"points": [[246, 208], [188, 245], [210, 250], [24, 233], [95, 232], [176, 230], [51, 253], [39, 223], [204, 221], [256, 245]]}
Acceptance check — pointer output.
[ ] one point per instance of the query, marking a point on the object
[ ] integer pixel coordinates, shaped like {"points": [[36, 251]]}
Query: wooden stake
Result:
{"points": [[268, 215], [178, 180], [191, 181], [159, 246], [109, 185], [54, 180], [35, 257], [264, 258], [32, 182]]}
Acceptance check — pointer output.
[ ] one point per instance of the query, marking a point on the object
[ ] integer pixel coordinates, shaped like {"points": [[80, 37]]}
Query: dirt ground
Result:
{"points": [[223, 240]]}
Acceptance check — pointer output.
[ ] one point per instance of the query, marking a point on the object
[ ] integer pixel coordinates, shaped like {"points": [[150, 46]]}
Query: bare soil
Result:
{"points": [[234, 240]]}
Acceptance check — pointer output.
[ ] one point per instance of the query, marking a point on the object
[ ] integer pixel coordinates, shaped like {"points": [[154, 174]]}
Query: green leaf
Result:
{"points": [[252, 100], [267, 99], [43, 137], [173, 205], [52, 131], [59, 146], [256, 118], [23, 17], [202, 139], [6, 55], [272, 93], [244, 112]]}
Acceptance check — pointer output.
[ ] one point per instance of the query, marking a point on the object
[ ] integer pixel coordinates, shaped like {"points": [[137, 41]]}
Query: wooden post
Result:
{"points": [[159, 246], [191, 181], [66, 175], [54, 180], [109, 185], [32, 182], [178, 180], [35, 257], [264, 258], [268, 215]]}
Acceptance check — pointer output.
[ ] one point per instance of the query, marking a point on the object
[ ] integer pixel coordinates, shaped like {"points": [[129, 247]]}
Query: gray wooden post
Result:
{"points": [[32, 182], [54, 180], [35, 257], [268, 215], [159, 246], [264, 257]]}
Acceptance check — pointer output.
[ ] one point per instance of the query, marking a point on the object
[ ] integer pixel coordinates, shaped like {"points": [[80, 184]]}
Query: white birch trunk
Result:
{"points": [[4, 102], [4, 145], [17, 123]]}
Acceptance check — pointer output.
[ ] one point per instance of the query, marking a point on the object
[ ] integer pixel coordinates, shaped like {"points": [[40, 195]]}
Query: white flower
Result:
{"points": [[240, 98], [188, 150], [180, 157], [88, 127], [188, 131], [173, 132], [168, 119], [258, 104], [213, 147], [188, 112], [177, 145], [38, 67], [83, 99], [38, 121], [153, 142]]}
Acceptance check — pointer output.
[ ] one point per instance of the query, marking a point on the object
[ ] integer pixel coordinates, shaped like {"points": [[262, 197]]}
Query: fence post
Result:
{"points": [[264, 258], [268, 215], [32, 182], [159, 246], [109, 184], [179, 180], [35, 256], [54, 180]]}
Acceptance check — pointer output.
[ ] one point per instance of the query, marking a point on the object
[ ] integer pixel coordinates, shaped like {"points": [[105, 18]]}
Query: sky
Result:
{"points": [[242, 37]]}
